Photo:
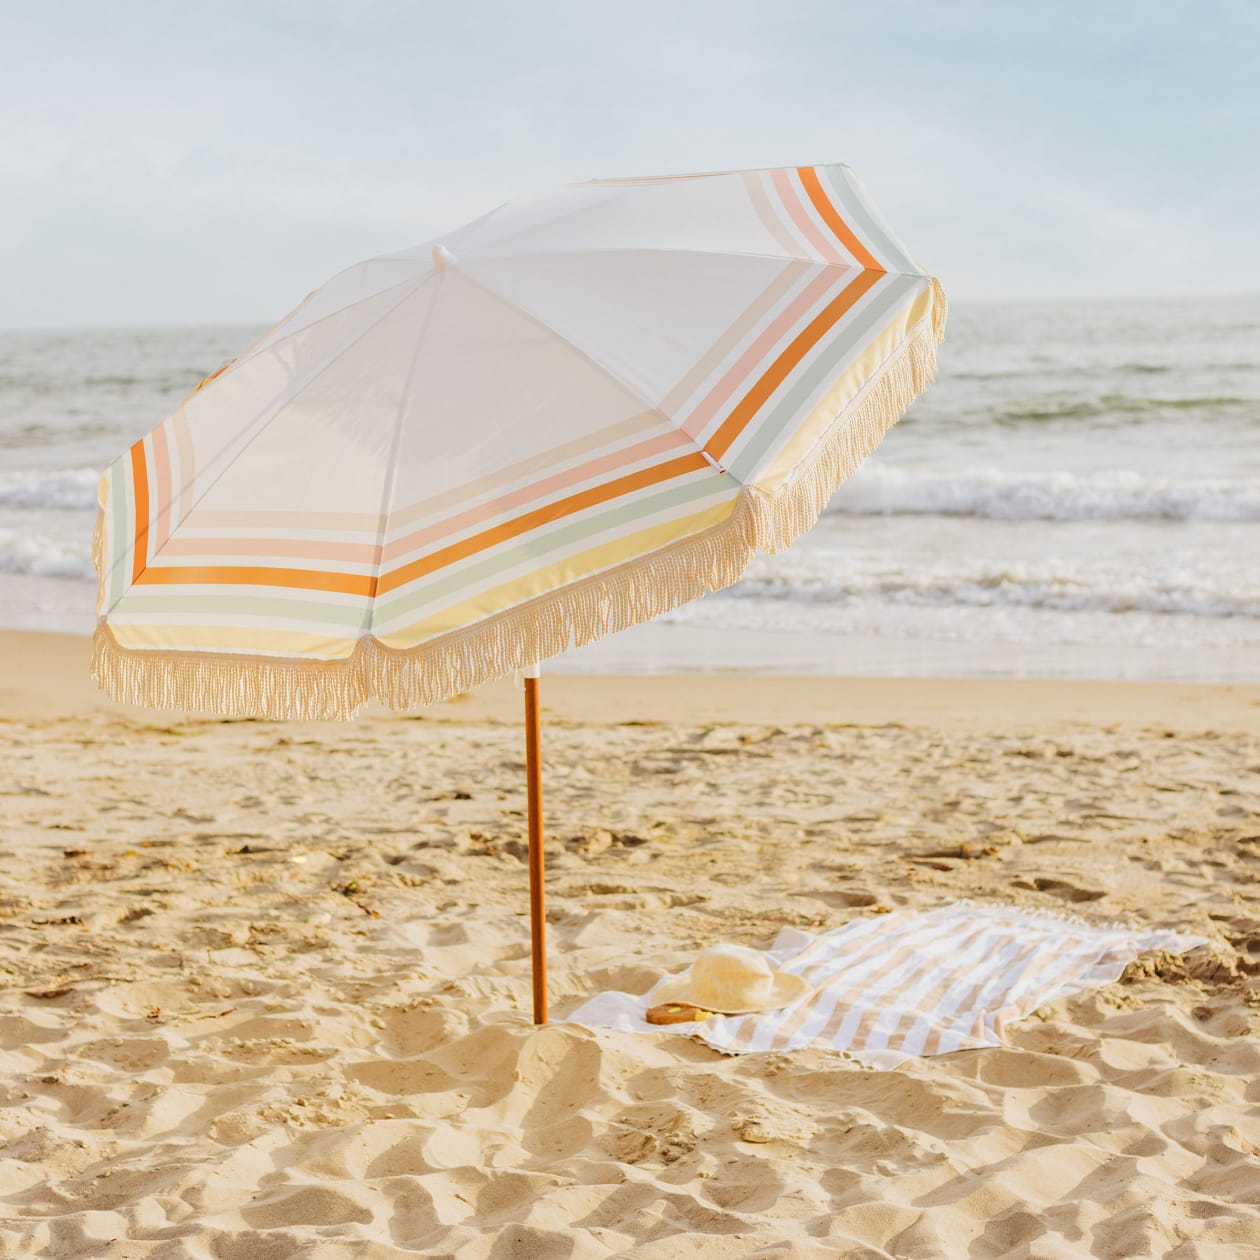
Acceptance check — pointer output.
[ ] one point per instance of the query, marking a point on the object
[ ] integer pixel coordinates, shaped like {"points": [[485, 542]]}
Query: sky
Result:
{"points": [[214, 162]]}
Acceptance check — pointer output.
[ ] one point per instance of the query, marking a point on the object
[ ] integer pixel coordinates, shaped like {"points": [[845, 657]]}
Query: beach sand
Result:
{"points": [[267, 987]]}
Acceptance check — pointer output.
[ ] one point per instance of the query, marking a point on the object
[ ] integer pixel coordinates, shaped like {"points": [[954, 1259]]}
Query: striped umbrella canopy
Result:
{"points": [[576, 412]]}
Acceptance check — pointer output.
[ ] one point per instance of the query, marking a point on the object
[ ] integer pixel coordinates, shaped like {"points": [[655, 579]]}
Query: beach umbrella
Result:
{"points": [[451, 462]]}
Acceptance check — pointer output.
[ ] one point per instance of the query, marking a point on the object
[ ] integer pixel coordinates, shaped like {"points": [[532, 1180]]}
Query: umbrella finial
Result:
{"points": [[443, 258]]}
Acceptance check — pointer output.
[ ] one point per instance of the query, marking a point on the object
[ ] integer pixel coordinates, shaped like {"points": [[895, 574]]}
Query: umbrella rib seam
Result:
{"points": [[711, 253], [254, 349], [275, 410], [601, 368], [391, 474]]}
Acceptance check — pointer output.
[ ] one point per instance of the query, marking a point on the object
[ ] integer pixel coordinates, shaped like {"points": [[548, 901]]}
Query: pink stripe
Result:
{"points": [[744, 366], [162, 469], [800, 216], [540, 489], [277, 548], [370, 553]]}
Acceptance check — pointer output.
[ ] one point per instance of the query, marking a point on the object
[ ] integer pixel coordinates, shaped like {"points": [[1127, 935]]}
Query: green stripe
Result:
{"points": [[542, 546], [851, 199], [848, 335], [272, 606]]}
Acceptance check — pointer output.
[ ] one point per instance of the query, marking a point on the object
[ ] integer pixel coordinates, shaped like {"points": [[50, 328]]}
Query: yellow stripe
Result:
{"points": [[255, 641], [540, 582]]}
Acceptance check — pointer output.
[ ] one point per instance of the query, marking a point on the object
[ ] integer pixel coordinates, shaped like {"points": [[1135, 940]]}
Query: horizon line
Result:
{"points": [[956, 303]]}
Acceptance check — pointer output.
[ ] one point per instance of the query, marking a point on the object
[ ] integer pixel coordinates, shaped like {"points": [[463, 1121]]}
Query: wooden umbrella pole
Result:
{"points": [[537, 909]]}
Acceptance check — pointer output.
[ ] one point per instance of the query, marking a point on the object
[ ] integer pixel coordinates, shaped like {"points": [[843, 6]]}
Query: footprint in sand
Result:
{"points": [[842, 900], [1061, 888]]}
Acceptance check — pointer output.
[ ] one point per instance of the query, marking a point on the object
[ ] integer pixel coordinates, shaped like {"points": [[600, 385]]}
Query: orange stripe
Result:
{"points": [[751, 403], [140, 488], [369, 586], [541, 516], [214, 376], [532, 493], [846, 235], [224, 575]]}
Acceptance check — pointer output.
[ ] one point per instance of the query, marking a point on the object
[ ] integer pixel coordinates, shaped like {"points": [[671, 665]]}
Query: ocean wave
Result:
{"points": [[67, 488], [1111, 407], [989, 492], [998, 587], [37, 556]]}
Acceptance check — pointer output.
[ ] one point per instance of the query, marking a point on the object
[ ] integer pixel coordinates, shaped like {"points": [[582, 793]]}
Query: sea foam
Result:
{"points": [[1058, 496], [63, 488]]}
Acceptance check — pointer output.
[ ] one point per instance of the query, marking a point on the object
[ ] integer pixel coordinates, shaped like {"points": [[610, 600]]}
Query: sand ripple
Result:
{"points": [[267, 990]]}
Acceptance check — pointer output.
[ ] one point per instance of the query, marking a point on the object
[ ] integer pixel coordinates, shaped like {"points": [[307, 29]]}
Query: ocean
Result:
{"points": [[1077, 496]]}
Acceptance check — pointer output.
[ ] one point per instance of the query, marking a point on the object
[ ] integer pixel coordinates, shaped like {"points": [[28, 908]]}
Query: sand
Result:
{"points": [[267, 987]]}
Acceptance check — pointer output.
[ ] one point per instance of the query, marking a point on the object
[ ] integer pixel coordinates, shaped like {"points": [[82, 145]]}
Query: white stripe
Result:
{"points": [[951, 1002], [909, 933], [1006, 955], [954, 963], [828, 294], [820, 224], [946, 967]]}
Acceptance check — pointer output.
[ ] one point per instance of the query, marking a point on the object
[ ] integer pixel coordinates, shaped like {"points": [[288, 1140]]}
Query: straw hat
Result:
{"points": [[732, 980]]}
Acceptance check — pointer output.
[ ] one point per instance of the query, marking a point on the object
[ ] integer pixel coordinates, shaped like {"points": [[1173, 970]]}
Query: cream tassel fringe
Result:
{"points": [[237, 685]]}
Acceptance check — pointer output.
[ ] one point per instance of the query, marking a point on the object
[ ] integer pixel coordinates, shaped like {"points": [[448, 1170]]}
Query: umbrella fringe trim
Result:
{"points": [[98, 546], [857, 430], [242, 685]]}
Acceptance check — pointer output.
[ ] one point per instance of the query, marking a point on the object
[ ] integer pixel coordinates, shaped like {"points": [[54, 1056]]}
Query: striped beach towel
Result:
{"points": [[910, 984]]}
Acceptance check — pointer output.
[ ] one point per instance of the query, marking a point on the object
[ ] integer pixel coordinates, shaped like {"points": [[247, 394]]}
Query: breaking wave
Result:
{"points": [[991, 493]]}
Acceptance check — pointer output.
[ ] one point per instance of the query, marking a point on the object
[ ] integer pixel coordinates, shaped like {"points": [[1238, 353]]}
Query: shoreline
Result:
{"points": [[974, 642], [45, 674]]}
